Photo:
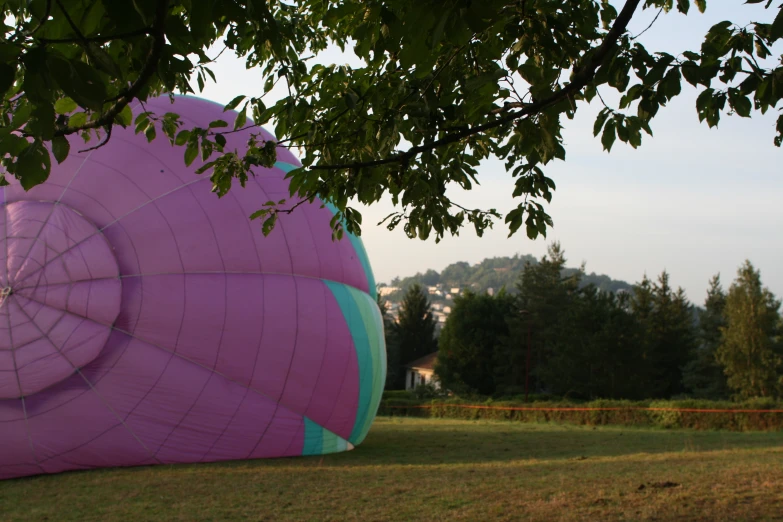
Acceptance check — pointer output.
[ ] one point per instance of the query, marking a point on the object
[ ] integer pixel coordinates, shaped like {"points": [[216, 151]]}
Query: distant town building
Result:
{"points": [[388, 290]]}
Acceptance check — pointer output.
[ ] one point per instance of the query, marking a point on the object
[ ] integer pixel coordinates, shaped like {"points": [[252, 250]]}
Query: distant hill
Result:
{"points": [[495, 273]]}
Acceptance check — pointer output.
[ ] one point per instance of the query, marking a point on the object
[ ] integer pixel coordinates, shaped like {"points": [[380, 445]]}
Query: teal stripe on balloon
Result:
{"points": [[363, 319], [313, 438], [356, 242], [320, 441]]}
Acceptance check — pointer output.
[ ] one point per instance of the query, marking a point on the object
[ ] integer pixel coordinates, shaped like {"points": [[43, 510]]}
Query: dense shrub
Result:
{"points": [[689, 413]]}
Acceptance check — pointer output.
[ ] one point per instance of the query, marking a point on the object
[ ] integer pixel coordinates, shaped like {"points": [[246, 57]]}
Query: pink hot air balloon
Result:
{"points": [[146, 321]]}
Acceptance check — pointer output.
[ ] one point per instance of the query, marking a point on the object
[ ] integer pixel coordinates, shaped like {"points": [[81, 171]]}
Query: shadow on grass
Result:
{"points": [[443, 441], [401, 441]]}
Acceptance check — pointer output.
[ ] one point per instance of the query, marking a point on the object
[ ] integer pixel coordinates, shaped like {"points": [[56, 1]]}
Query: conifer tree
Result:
{"points": [[415, 327], [750, 349], [703, 376]]}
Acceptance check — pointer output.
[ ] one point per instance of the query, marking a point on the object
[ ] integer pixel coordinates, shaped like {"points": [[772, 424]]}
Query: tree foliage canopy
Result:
{"points": [[750, 349], [415, 327], [441, 87]]}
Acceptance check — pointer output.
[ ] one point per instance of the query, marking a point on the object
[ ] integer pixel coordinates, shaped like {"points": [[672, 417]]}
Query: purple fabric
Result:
{"points": [[144, 320]]}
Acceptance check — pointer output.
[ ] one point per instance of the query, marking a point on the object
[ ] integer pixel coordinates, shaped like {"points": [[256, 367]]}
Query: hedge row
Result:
{"points": [[664, 414]]}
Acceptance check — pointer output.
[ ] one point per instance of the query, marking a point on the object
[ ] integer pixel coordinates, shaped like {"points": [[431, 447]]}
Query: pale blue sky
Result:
{"points": [[691, 200]]}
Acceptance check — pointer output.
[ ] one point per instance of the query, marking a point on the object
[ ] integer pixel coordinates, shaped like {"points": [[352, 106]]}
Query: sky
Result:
{"points": [[691, 200]]}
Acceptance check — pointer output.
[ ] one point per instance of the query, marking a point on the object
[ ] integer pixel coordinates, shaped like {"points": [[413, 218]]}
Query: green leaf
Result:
{"points": [[608, 137], [741, 104], [125, 117], [702, 5], [191, 152], [776, 30], [33, 165], [600, 120], [8, 52], [65, 106], [241, 118], [7, 77], [42, 122], [269, 224], [182, 137], [233, 104], [60, 148], [77, 120], [150, 132]]}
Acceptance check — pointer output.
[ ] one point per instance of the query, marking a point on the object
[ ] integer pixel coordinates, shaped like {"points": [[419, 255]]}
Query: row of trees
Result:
{"points": [[557, 336]]}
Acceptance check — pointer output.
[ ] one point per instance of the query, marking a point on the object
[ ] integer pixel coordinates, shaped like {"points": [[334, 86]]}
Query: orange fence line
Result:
{"points": [[616, 408]]}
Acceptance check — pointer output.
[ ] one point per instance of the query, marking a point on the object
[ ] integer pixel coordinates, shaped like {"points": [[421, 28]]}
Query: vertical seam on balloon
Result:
{"points": [[103, 399], [323, 358], [117, 220], [181, 322], [296, 333], [290, 363], [288, 167], [318, 260], [13, 356], [287, 450], [252, 377], [260, 339], [51, 212], [225, 315], [247, 388], [351, 351]]}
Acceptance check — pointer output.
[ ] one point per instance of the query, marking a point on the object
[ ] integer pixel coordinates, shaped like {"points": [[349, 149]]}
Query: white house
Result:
{"points": [[387, 290], [421, 371]]}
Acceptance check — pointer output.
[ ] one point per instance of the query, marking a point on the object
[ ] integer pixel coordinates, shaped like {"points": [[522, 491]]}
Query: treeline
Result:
{"points": [[497, 273], [556, 336]]}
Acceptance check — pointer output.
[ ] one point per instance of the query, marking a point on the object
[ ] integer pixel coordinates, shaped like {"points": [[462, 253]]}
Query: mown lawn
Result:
{"points": [[437, 469]]}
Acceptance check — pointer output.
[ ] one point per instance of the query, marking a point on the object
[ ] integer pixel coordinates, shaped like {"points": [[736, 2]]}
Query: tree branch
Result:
{"points": [[98, 39], [580, 80], [150, 66]]}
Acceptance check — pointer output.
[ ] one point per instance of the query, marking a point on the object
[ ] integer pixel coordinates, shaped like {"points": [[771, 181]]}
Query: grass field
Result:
{"points": [[437, 469]]}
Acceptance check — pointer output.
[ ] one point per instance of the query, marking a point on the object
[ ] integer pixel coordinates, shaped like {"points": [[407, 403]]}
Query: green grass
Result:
{"points": [[438, 469]]}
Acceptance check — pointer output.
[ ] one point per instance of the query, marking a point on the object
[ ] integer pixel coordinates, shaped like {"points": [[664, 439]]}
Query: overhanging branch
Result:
{"points": [[158, 33], [580, 80]]}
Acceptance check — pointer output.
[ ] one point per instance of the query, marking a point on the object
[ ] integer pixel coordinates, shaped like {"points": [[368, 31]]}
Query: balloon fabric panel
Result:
{"points": [[146, 321]]}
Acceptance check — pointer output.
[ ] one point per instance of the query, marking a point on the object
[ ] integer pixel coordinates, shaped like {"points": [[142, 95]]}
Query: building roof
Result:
{"points": [[424, 363]]}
